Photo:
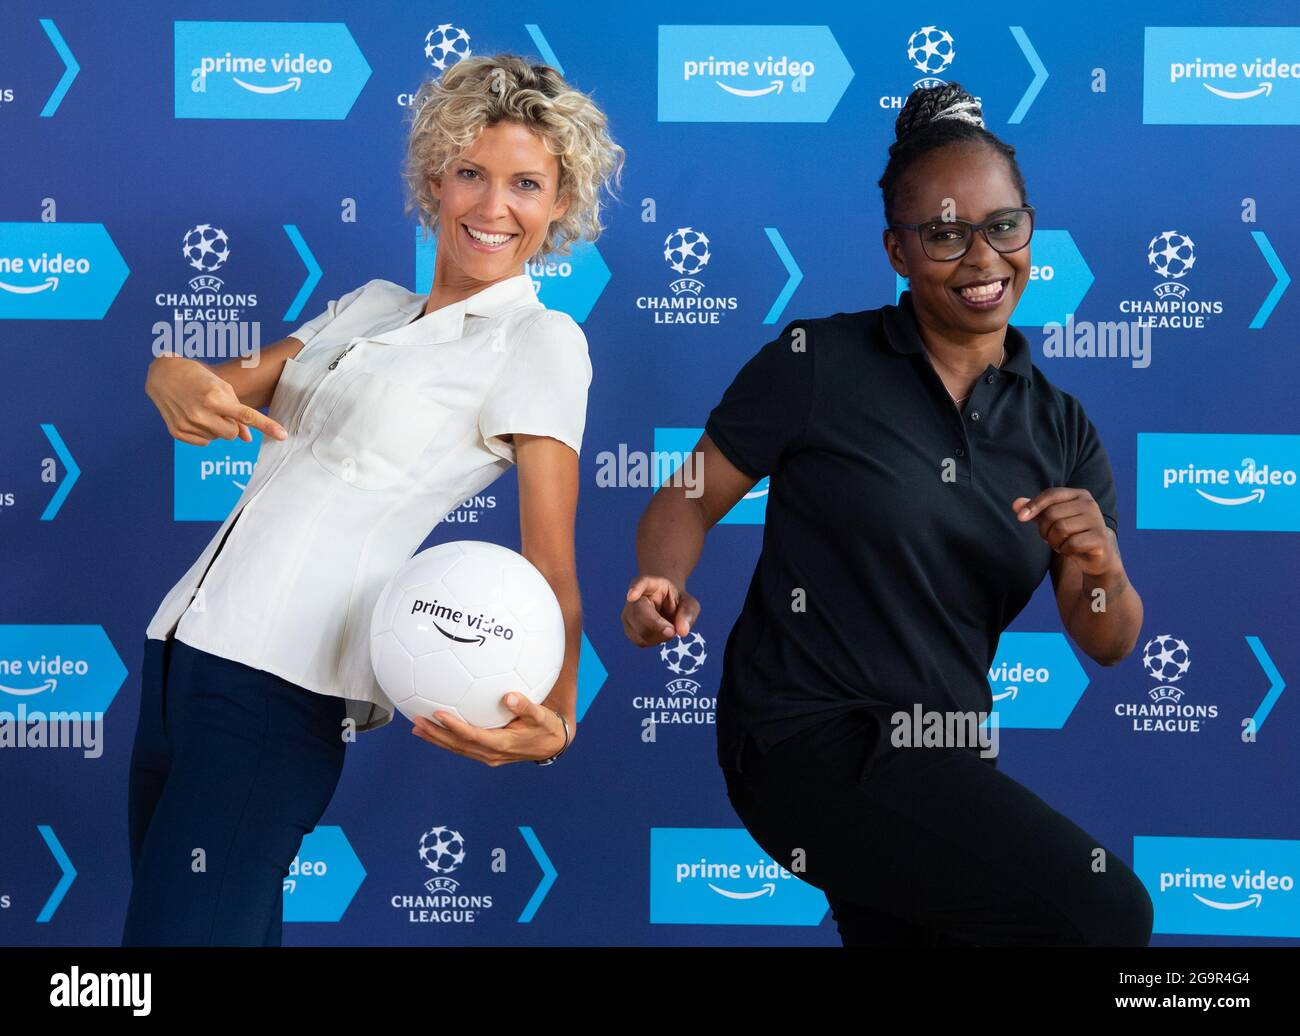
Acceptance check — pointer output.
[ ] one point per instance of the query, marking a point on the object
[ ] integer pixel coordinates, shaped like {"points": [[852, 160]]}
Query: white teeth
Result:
{"points": [[983, 292], [488, 239]]}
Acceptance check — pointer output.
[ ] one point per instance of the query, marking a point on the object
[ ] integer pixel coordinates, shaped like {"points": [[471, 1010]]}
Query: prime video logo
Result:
{"points": [[266, 70], [1213, 481], [749, 73], [722, 876], [1221, 886], [1217, 75], [58, 271]]}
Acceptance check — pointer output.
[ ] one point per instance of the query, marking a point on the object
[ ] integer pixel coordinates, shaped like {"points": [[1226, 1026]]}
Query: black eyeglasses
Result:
{"points": [[1008, 230]]}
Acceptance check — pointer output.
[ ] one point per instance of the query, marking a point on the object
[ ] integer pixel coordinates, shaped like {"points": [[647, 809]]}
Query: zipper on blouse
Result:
{"points": [[341, 355]]}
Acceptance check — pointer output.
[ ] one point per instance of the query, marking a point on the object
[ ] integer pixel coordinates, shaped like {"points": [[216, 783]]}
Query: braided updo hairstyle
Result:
{"points": [[936, 117]]}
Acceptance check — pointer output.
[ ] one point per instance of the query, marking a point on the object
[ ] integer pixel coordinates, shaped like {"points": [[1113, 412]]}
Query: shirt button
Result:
{"points": [[959, 451], [975, 415], [989, 380]]}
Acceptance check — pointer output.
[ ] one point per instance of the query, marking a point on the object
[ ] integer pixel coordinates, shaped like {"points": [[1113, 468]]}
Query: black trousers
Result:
{"points": [[930, 846]]}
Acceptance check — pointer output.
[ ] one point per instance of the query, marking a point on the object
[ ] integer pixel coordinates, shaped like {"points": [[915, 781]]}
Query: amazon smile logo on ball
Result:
{"points": [[482, 626]]}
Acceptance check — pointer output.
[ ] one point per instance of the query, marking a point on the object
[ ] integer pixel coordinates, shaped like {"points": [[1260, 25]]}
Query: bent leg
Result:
{"points": [[936, 838]]}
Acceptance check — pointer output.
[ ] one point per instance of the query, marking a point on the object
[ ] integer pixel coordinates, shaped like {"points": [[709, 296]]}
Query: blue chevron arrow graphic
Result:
{"points": [[313, 272], [65, 865], [65, 484], [791, 267], [1040, 73], [70, 68], [548, 875], [1276, 684], [544, 48], [1279, 286]]}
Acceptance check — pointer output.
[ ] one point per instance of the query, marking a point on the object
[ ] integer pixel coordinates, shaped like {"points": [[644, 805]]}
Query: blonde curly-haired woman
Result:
{"points": [[385, 411]]}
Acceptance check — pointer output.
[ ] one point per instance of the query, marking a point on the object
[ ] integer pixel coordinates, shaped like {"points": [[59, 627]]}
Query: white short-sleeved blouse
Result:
{"points": [[391, 421]]}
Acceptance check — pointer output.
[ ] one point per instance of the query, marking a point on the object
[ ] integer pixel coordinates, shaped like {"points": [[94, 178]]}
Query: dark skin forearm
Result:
{"points": [[1106, 616], [670, 535]]}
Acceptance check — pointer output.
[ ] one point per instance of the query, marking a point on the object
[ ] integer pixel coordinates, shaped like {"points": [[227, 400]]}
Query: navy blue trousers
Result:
{"points": [[930, 846], [231, 767]]}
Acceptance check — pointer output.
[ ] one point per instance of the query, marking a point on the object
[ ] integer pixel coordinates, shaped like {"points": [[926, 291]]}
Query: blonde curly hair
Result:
{"points": [[450, 112]]}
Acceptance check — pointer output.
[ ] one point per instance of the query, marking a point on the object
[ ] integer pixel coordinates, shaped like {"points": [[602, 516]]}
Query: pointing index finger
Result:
{"points": [[246, 415]]}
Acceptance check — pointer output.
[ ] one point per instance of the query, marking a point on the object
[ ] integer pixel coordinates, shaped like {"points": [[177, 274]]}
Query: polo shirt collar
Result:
{"points": [[904, 334], [448, 323]]}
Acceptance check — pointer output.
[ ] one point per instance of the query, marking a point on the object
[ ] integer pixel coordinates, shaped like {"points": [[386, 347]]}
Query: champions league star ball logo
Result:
{"points": [[446, 45], [442, 850], [684, 655], [1171, 255], [206, 248], [207, 319], [1167, 659], [687, 250], [681, 703], [931, 50]]}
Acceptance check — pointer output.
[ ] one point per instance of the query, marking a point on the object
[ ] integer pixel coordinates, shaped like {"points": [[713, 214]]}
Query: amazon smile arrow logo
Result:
{"points": [[769, 889], [480, 639], [1240, 95], [49, 284], [775, 87], [294, 83], [1254, 899], [1257, 494], [23, 692]]}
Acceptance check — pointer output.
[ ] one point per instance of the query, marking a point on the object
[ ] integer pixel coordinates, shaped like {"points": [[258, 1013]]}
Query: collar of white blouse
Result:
{"points": [[448, 323]]}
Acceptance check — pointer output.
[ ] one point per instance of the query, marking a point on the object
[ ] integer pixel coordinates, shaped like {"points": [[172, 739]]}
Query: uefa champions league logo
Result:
{"points": [[206, 248], [686, 250], [1167, 659], [1171, 254], [446, 45], [684, 655], [931, 50], [442, 850], [681, 703], [207, 320]]}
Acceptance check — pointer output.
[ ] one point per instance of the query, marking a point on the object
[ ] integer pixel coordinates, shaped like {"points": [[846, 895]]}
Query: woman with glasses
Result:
{"points": [[925, 476]]}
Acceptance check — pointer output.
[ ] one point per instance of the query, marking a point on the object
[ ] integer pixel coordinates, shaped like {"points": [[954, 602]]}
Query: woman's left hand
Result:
{"points": [[535, 733], [1070, 522]]}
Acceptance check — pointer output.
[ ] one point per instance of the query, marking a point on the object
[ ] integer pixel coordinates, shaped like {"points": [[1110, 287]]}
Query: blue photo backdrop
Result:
{"points": [[161, 166]]}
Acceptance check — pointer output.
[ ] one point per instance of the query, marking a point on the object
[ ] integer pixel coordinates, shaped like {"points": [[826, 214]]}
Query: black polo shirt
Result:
{"points": [[891, 559]]}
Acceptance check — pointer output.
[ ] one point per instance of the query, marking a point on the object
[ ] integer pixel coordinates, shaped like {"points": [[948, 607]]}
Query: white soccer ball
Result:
{"points": [[460, 625]]}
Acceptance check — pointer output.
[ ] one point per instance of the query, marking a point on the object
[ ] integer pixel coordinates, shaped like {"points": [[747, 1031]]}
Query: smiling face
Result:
{"points": [[979, 183], [496, 201]]}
